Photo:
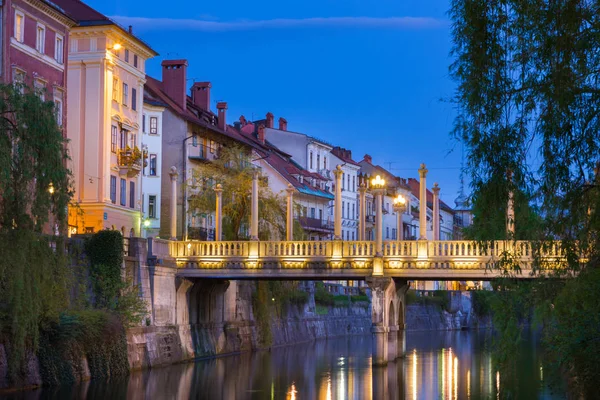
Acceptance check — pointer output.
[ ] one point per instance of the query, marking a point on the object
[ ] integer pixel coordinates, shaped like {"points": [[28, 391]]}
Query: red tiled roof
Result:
{"points": [[343, 154], [199, 117], [415, 186]]}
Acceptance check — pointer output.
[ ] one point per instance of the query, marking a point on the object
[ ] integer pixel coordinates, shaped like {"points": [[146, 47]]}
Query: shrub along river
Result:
{"points": [[438, 365]]}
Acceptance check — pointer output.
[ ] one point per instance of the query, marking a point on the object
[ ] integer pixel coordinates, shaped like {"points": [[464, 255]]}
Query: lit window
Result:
{"points": [[58, 49], [115, 89], [125, 94], [40, 38], [19, 26], [151, 206], [154, 125]]}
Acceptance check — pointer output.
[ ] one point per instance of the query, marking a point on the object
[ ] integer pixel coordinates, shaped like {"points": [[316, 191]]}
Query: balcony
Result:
{"points": [[129, 161], [316, 225]]}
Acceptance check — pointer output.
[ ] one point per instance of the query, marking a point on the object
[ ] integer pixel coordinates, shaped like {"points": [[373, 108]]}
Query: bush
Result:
{"points": [[322, 296], [482, 302], [438, 298]]}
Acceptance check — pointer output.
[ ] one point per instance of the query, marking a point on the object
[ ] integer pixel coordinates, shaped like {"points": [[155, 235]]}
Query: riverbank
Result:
{"points": [[152, 346]]}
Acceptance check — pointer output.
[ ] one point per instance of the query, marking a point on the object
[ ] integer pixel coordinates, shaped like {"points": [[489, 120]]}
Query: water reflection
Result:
{"points": [[449, 365]]}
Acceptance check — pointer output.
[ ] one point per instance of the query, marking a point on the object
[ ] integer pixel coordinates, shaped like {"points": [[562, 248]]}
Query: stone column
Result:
{"points": [[399, 209], [173, 210], [218, 217], [337, 228], [362, 190], [436, 211], [378, 221], [510, 211], [422, 203], [290, 213], [254, 214]]}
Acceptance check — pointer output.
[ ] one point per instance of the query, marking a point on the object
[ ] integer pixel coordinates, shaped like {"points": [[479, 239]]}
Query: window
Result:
{"points": [[354, 184], [123, 192], [58, 110], [394, 233], [353, 212], [195, 141], [144, 123], [349, 187], [123, 141], [113, 138], [387, 232], [135, 60], [131, 194], [318, 161], [125, 98], [59, 48], [152, 206], [320, 214], [343, 180], [154, 125], [324, 162], [343, 207], [113, 189], [126, 55], [152, 164], [133, 99], [19, 26], [312, 212], [310, 158], [39, 86], [212, 146], [348, 212], [115, 88], [132, 139], [40, 38], [352, 235]]}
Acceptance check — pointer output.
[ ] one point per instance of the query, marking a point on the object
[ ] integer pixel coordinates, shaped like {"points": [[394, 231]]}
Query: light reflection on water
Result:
{"points": [[444, 365]]}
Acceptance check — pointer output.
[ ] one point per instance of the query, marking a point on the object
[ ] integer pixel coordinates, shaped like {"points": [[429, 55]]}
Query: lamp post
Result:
{"points": [[218, 220], [399, 208], [422, 203], [436, 211], [378, 185]]}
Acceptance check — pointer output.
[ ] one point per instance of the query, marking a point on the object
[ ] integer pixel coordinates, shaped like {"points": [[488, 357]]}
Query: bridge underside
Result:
{"points": [[341, 270]]}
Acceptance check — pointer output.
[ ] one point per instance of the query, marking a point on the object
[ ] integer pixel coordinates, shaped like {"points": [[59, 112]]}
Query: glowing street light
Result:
{"points": [[378, 185], [146, 222], [117, 46], [51, 188], [378, 182], [399, 208]]}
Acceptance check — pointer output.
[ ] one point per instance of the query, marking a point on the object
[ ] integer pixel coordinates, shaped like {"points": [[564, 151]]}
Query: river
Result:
{"points": [[438, 365]]}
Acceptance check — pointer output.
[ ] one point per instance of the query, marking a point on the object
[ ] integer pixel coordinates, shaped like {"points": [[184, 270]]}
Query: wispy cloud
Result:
{"points": [[405, 23]]}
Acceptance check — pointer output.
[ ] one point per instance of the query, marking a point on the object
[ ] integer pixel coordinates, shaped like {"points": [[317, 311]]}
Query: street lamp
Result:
{"points": [[378, 184], [146, 223], [399, 208]]}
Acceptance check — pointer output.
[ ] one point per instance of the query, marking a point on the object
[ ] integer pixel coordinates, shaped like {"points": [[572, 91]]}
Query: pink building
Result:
{"points": [[34, 41]]}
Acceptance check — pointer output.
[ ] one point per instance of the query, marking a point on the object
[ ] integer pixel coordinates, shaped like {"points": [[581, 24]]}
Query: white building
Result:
{"points": [[350, 183], [151, 172]]}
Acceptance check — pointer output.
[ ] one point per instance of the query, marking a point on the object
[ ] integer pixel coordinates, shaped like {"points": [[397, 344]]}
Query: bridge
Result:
{"points": [[331, 260], [386, 270]]}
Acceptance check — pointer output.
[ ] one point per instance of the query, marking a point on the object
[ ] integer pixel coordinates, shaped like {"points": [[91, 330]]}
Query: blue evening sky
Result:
{"points": [[370, 76]]}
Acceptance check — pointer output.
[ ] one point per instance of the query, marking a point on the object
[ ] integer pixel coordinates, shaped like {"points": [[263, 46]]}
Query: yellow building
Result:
{"points": [[106, 76]]}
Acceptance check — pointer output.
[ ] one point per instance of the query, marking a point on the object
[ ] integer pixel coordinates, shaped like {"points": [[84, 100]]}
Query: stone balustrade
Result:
{"points": [[440, 259]]}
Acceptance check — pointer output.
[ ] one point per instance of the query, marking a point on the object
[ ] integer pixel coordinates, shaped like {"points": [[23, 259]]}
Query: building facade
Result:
{"points": [[106, 76], [350, 184], [151, 169]]}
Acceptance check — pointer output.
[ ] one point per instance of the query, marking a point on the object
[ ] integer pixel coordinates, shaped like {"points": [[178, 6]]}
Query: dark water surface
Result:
{"points": [[439, 365]]}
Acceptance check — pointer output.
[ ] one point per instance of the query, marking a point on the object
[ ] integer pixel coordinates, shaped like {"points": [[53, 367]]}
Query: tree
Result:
{"points": [[529, 102], [233, 170], [34, 187]]}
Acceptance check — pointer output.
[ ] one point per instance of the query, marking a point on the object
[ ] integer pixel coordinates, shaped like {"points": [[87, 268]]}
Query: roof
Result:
{"points": [[415, 186], [194, 114], [344, 155], [88, 16], [379, 170]]}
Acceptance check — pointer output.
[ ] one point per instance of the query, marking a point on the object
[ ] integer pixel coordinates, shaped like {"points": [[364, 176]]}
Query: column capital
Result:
{"points": [[379, 191], [290, 189], [423, 171], [435, 189], [173, 173], [338, 171], [362, 188], [255, 173], [218, 189], [399, 208]]}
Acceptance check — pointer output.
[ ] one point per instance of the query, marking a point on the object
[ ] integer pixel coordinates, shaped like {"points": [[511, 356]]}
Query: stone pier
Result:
{"points": [[387, 314]]}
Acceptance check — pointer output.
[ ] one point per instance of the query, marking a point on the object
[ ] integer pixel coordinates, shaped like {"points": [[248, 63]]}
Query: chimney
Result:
{"points": [[270, 120], [201, 95], [130, 30], [222, 107], [261, 133], [282, 124], [368, 159], [174, 75]]}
